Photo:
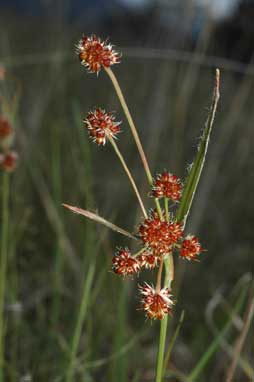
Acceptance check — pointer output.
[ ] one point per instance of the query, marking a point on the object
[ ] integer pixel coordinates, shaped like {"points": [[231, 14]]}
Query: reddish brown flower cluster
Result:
{"points": [[148, 259], [8, 161], [168, 186], [8, 158], [124, 264], [160, 235], [5, 128], [100, 125], [156, 304], [190, 248], [94, 53]]}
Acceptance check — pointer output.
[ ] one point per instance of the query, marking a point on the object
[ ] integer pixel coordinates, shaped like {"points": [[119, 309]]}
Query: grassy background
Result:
{"points": [[55, 256]]}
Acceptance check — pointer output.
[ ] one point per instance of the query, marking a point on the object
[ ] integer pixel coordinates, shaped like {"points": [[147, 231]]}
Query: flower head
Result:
{"points": [[5, 128], [168, 186], [95, 53], [148, 260], [100, 124], [124, 263], [191, 248], [155, 304], [8, 161], [160, 235]]}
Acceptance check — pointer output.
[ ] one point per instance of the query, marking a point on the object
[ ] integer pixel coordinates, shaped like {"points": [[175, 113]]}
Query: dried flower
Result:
{"points": [[190, 248], [148, 260], [124, 263], [5, 128], [100, 124], [8, 161], [160, 235], [155, 304], [95, 53], [168, 186]]}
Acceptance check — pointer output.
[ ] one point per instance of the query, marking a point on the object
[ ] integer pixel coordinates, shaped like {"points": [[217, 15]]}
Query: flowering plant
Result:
{"points": [[160, 235]]}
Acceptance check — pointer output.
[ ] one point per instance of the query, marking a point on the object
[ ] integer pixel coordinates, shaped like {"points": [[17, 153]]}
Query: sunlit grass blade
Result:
{"points": [[217, 340], [192, 180], [99, 219]]}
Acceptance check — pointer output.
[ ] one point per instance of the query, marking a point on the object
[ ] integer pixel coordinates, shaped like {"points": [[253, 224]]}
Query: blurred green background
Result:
{"points": [[59, 263]]}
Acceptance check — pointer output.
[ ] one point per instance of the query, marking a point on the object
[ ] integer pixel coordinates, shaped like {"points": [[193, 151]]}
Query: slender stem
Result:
{"points": [[134, 132], [131, 123], [158, 284], [166, 209], [161, 350], [169, 277], [118, 153], [3, 264], [80, 321]]}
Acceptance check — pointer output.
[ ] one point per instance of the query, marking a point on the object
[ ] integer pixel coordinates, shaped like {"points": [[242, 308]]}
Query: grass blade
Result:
{"points": [[216, 342], [99, 219], [197, 166]]}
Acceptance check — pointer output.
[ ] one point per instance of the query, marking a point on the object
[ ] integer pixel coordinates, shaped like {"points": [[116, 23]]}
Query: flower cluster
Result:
{"points": [[8, 157], [160, 233], [95, 53], [168, 186], [101, 125]]}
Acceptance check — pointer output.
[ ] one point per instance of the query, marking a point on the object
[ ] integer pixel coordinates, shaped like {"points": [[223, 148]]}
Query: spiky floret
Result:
{"points": [[5, 128], [148, 259], [95, 53], [159, 235], [190, 248], [167, 185], [100, 125], [155, 304], [124, 264], [8, 161]]}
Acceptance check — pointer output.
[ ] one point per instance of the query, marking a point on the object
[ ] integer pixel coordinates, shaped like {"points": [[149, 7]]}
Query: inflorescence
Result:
{"points": [[8, 157], [160, 233]]}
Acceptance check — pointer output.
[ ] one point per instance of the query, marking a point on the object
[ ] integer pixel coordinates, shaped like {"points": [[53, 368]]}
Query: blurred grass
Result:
{"points": [[56, 258]]}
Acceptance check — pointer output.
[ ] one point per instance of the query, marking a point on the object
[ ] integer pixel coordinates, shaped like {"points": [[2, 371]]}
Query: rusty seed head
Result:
{"points": [[8, 161], [148, 260], [124, 264], [5, 128], [100, 124], [159, 235], [95, 53], [190, 248], [168, 186], [155, 304]]}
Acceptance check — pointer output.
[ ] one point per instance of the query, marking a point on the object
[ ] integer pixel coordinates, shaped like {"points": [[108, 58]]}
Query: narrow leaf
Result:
{"points": [[197, 166], [99, 219]]}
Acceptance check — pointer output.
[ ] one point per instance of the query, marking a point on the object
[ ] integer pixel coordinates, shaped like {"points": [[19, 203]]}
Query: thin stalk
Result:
{"points": [[134, 132], [166, 209], [159, 275], [169, 277], [118, 153], [80, 322], [3, 264], [131, 123]]}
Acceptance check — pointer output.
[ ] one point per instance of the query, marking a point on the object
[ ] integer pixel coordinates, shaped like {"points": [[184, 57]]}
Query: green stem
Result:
{"points": [[3, 264], [161, 350], [131, 123], [118, 153], [80, 321], [134, 132]]}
